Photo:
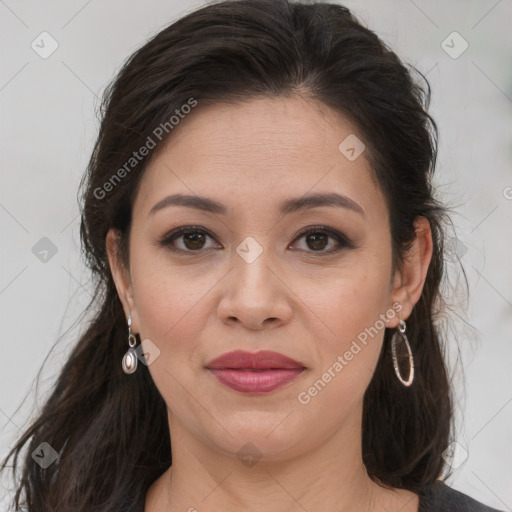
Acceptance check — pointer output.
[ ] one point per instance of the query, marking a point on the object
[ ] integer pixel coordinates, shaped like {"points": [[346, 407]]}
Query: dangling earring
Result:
{"points": [[130, 358], [401, 332]]}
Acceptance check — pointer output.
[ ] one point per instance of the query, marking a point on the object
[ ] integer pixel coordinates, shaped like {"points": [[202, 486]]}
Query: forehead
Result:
{"points": [[260, 130], [255, 152]]}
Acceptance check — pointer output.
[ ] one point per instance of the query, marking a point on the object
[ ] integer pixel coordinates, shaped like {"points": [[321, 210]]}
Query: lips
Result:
{"points": [[263, 360], [259, 372]]}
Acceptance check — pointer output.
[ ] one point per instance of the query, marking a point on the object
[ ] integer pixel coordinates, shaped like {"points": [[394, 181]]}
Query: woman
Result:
{"points": [[259, 218]]}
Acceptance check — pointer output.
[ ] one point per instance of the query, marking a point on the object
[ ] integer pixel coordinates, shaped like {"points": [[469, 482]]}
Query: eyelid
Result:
{"points": [[342, 240]]}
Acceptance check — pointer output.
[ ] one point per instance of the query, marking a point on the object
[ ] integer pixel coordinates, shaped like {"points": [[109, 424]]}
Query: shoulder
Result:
{"points": [[439, 497]]}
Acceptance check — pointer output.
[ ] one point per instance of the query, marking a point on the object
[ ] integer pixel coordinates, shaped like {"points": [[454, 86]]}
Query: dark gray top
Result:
{"points": [[438, 497]]}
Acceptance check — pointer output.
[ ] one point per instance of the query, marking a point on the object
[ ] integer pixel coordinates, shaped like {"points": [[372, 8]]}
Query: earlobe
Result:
{"points": [[410, 280]]}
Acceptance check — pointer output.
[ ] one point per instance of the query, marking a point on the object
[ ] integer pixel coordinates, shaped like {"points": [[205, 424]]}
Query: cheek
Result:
{"points": [[352, 308], [172, 304], [346, 363], [354, 298], [171, 311], [166, 309]]}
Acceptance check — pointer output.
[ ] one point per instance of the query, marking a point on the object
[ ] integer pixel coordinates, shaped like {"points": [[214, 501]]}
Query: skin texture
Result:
{"points": [[306, 304]]}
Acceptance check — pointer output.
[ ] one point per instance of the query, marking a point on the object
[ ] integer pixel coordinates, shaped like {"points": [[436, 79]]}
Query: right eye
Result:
{"points": [[191, 239]]}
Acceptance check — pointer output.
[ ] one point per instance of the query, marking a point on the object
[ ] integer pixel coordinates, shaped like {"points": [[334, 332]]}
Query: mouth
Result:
{"points": [[260, 372]]}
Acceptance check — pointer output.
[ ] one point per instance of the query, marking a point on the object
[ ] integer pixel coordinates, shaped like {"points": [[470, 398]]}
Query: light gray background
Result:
{"points": [[49, 126]]}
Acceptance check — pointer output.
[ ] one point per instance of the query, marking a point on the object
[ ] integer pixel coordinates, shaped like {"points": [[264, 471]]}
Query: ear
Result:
{"points": [[409, 281], [121, 276]]}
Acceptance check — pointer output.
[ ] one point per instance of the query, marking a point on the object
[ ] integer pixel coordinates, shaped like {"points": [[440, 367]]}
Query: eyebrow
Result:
{"points": [[288, 206]]}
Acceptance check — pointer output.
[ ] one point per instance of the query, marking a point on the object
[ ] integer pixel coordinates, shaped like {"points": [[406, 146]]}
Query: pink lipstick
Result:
{"points": [[259, 372]]}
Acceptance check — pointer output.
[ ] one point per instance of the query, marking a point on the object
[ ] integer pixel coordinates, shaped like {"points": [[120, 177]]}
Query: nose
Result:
{"points": [[255, 295]]}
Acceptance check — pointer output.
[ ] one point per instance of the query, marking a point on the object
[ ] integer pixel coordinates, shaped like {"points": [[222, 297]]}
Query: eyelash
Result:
{"points": [[342, 240]]}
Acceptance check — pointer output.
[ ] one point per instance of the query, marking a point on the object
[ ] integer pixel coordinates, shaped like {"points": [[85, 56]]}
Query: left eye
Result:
{"points": [[317, 240]]}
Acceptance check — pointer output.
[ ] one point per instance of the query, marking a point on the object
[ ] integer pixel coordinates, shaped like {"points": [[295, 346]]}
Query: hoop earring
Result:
{"points": [[130, 358], [401, 332]]}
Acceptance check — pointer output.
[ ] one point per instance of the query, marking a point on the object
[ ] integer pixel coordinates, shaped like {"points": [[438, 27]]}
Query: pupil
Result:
{"points": [[319, 241], [194, 240]]}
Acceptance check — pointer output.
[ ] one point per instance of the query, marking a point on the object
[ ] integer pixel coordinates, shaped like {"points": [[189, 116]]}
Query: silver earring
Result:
{"points": [[401, 332], [130, 358]]}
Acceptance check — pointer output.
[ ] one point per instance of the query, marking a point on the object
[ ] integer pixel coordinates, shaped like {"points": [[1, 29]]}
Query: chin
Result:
{"points": [[259, 434]]}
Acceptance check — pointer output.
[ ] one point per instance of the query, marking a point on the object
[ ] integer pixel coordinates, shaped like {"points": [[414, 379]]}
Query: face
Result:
{"points": [[263, 270]]}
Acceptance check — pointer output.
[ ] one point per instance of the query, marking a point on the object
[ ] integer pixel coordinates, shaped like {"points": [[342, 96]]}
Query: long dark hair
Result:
{"points": [[110, 430]]}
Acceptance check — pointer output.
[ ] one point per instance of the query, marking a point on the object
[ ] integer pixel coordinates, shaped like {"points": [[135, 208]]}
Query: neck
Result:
{"points": [[329, 477]]}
